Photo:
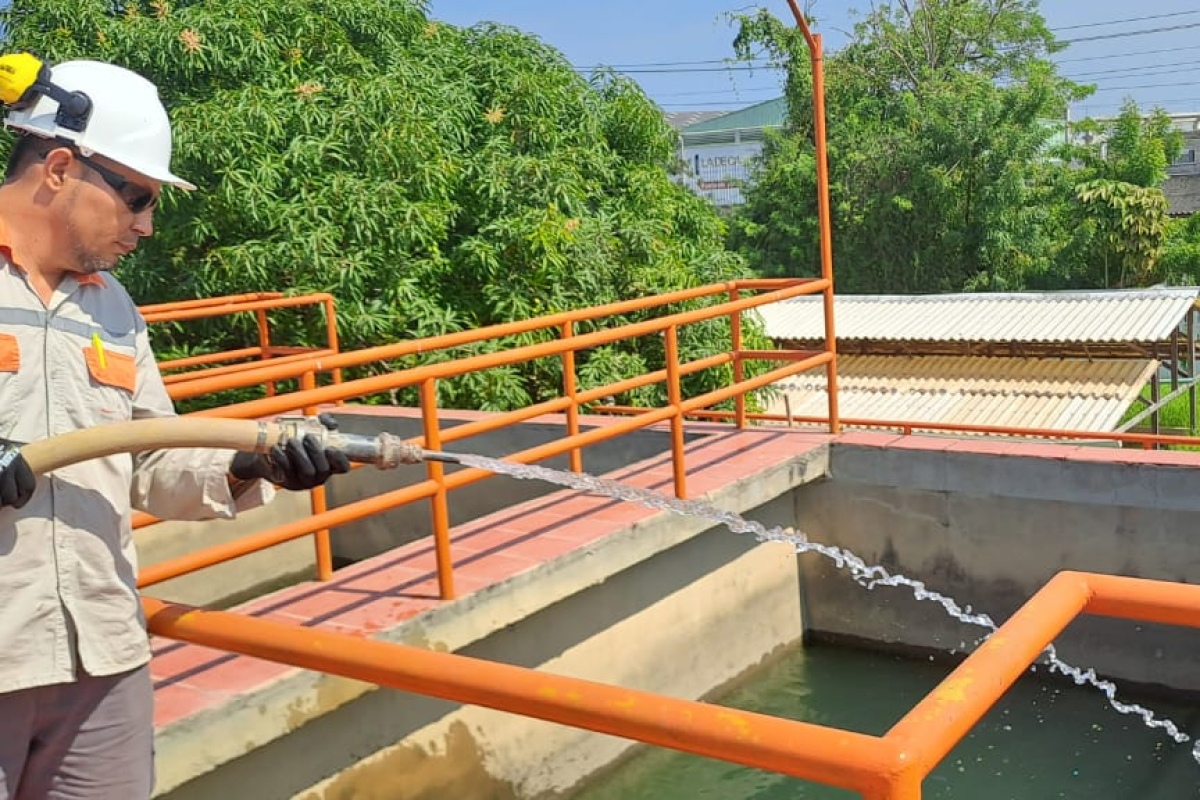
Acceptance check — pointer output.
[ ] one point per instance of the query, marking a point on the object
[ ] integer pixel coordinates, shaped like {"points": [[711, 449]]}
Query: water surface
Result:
{"points": [[1047, 738]]}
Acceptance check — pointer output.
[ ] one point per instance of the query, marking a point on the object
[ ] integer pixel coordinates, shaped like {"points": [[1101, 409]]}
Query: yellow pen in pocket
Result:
{"points": [[98, 346]]}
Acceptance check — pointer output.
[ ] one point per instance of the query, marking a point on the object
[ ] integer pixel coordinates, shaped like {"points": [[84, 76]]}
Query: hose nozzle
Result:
{"points": [[384, 451]]}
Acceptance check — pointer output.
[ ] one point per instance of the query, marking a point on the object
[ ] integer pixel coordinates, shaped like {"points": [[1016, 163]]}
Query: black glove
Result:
{"points": [[17, 480], [300, 464]]}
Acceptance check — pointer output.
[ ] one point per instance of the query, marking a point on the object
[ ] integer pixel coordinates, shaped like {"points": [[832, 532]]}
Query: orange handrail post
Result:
{"points": [[935, 725], [318, 501], [439, 506], [675, 401], [736, 345], [331, 336], [571, 392], [824, 212], [264, 345]]}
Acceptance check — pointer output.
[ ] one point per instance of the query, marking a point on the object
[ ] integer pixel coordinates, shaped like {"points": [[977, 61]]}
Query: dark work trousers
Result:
{"points": [[88, 740]]}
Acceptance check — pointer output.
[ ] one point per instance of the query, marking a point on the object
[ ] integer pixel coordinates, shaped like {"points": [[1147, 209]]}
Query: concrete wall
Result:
{"points": [[990, 530], [730, 608], [685, 622]]}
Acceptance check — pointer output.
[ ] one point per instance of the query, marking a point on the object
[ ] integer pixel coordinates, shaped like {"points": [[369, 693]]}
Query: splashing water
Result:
{"points": [[868, 576]]}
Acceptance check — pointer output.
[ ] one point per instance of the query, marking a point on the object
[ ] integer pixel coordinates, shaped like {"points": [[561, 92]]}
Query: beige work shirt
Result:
{"points": [[68, 567]]}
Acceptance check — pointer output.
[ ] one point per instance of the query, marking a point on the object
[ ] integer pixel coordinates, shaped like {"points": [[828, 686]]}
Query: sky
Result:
{"points": [[1149, 51]]}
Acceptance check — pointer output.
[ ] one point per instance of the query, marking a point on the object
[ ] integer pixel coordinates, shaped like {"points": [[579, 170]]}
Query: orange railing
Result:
{"points": [[571, 402], [888, 767], [258, 303], [1147, 441]]}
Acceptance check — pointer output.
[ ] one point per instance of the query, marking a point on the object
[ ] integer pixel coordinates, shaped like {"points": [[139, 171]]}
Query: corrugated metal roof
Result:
{"points": [[1135, 315], [681, 119], [767, 114], [1059, 394]]}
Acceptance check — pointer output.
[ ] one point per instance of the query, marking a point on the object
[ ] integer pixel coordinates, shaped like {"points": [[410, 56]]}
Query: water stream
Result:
{"points": [[866, 575]]}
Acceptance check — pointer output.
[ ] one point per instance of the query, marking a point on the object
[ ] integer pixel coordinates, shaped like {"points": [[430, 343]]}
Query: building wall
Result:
{"points": [[717, 171]]}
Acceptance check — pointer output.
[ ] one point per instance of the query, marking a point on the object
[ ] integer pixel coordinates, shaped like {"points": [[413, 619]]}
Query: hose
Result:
{"points": [[384, 451]]}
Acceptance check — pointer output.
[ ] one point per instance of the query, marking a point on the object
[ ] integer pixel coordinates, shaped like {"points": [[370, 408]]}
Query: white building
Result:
{"points": [[718, 152]]}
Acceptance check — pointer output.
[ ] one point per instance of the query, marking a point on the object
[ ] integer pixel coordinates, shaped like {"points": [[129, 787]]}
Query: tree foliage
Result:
{"points": [[1112, 207], [432, 178], [949, 170]]}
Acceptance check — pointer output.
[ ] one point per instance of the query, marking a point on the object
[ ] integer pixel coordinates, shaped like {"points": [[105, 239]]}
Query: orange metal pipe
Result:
{"points": [[499, 421], [675, 402], [779, 355], [658, 376], [824, 211], [1143, 600], [835, 757], [694, 407], [445, 341], [935, 725], [317, 503], [331, 334], [571, 393], [264, 344], [230, 369], [271, 406], [206, 302], [757, 382], [440, 509], [208, 311], [206, 358], [770, 284], [953, 427], [735, 331]]}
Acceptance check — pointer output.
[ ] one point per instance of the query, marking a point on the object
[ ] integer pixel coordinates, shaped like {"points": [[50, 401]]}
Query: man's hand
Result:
{"points": [[17, 480], [300, 464]]}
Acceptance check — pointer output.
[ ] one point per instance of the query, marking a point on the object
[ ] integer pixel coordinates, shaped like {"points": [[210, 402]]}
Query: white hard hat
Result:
{"points": [[125, 122]]}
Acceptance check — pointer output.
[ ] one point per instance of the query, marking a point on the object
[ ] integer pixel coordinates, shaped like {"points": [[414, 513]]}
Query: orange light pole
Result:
{"points": [[824, 217]]}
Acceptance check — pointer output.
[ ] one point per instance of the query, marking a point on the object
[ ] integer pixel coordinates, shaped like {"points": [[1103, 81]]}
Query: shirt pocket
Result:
{"points": [[10, 353], [110, 368]]}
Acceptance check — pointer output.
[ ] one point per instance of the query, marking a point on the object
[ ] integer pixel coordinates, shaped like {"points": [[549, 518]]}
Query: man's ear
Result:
{"points": [[55, 166]]}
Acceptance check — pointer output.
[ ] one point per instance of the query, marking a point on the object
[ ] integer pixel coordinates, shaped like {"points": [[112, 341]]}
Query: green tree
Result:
{"points": [[1179, 261], [937, 116], [432, 178], [1115, 210]]}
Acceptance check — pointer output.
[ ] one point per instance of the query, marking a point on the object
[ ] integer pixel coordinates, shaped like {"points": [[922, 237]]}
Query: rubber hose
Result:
{"points": [[247, 435]]}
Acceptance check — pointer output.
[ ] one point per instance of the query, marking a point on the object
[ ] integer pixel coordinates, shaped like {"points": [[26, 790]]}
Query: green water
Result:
{"points": [[1046, 738]]}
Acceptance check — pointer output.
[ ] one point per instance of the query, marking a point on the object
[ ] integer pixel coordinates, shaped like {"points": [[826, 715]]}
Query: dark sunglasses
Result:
{"points": [[137, 197]]}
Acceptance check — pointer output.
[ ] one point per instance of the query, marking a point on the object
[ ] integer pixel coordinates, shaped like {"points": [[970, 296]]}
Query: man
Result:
{"points": [[75, 694]]}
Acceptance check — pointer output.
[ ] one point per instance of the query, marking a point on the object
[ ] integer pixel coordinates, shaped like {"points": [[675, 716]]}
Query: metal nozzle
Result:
{"points": [[384, 451], [434, 455]]}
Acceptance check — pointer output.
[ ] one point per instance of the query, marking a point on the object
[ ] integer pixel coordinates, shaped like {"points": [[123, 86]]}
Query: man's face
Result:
{"points": [[110, 209]]}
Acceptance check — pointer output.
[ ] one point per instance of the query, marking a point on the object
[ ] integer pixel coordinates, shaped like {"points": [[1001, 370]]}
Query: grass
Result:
{"points": [[1176, 414]]}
